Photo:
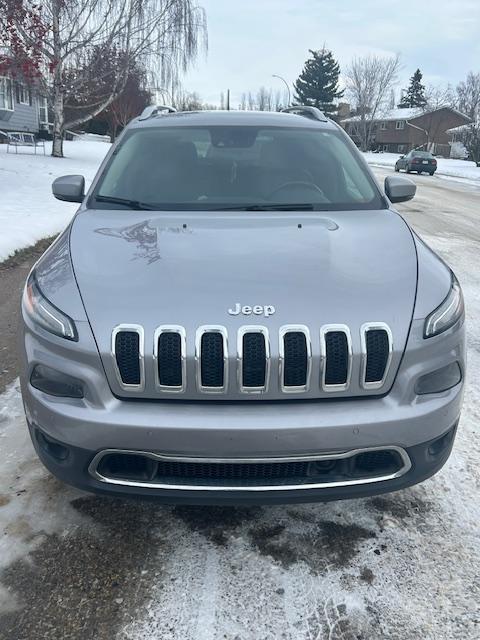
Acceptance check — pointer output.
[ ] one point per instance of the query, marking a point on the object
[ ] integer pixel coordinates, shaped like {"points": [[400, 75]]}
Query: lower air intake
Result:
{"points": [[155, 470]]}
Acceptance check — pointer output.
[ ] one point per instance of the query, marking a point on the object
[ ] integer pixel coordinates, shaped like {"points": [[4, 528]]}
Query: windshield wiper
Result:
{"points": [[304, 206], [132, 204]]}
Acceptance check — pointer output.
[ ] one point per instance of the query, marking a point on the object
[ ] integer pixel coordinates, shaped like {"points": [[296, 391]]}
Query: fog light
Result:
{"points": [[55, 383], [439, 380], [54, 449]]}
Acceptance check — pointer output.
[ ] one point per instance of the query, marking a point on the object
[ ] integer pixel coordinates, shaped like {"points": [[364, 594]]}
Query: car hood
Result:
{"points": [[152, 268]]}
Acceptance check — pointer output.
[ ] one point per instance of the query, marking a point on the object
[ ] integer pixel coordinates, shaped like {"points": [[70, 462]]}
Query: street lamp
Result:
{"points": [[287, 85]]}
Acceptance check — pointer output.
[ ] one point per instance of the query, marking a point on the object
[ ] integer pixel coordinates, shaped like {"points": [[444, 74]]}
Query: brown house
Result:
{"points": [[401, 130]]}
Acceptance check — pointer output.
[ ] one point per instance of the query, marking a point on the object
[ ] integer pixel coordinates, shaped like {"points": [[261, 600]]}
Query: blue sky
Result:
{"points": [[249, 40]]}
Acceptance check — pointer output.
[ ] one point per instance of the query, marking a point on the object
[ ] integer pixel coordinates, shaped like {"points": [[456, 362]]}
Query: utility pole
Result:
{"points": [[228, 99]]}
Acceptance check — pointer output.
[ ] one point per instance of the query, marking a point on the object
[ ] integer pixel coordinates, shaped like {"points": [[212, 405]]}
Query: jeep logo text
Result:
{"points": [[257, 310]]}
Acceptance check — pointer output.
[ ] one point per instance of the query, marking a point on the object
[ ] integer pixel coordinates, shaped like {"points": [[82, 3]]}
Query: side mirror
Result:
{"points": [[402, 157], [399, 189], [69, 188]]}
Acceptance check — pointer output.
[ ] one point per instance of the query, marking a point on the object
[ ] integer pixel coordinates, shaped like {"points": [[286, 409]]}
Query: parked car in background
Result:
{"points": [[419, 161]]}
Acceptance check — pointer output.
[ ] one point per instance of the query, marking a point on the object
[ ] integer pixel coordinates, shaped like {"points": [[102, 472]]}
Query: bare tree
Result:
{"points": [[166, 35], [468, 95], [185, 101], [264, 99], [439, 96], [470, 137], [436, 116], [369, 81]]}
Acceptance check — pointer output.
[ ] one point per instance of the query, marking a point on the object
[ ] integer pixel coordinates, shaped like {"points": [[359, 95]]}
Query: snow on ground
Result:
{"points": [[460, 170], [28, 210]]}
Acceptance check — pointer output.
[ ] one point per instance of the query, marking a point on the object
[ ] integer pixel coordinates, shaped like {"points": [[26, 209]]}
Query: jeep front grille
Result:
{"points": [[255, 373]]}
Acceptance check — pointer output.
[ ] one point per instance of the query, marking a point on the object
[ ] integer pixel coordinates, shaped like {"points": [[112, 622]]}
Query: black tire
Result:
{"points": [[397, 169], [431, 172]]}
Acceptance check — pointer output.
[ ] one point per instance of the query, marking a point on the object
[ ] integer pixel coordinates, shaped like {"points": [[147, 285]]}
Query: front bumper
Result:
{"points": [[424, 460]]}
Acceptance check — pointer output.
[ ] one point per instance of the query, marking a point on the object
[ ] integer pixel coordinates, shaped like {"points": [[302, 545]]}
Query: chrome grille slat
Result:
{"points": [[205, 379], [380, 370], [285, 331], [158, 354], [329, 352], [120, 357], [244, 358]]}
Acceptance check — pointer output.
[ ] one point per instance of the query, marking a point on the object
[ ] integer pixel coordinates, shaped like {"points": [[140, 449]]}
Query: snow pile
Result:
{"points": [[28, 211], [461, 170]]}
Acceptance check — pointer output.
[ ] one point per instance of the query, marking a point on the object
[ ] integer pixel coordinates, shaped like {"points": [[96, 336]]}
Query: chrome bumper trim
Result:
{"points": [[93, 470]]}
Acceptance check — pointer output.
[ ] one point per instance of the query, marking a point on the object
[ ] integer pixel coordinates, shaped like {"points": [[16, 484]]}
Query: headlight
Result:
{"points": [[448, 313], [45, 314]]}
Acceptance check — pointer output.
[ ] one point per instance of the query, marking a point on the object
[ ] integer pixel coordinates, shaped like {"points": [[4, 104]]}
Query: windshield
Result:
{"points": [[421, 154], [235, 167]]}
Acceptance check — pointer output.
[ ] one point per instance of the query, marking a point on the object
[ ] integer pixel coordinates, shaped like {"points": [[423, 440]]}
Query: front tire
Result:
{"points": [[397, 169]]}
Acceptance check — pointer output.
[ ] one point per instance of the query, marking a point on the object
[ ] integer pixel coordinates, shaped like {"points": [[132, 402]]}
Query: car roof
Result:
{"points": [[231, 118]]}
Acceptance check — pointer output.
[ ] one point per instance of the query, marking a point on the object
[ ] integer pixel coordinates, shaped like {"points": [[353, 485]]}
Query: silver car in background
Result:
{"points": [[236, 313]]}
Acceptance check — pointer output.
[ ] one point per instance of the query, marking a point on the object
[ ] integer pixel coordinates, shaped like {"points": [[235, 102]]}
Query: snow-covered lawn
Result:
{"points": [[28, 211], [461, 170]]}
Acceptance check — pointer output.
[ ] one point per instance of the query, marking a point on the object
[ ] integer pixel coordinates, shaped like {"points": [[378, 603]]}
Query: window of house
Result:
{"points": [[401, 148], [43, 110], [383, 126], [400, 124], [385, 147], [23, 94], [6, 96]]}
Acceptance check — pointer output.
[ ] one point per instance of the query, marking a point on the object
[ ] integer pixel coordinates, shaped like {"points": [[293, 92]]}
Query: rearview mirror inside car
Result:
{"points": [[399, 189], [69, 188]]}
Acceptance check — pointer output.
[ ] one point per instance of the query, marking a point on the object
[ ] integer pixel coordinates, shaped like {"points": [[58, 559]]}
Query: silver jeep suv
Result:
{"points": [[236, 313]]}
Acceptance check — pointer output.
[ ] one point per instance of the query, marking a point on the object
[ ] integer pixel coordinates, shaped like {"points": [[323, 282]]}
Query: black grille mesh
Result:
{"points": [[212, 365], [127, 353], [336, 365], [170, 359], [377, 354], [228, 471], [295, 364], [254, 360], [372, 461]]}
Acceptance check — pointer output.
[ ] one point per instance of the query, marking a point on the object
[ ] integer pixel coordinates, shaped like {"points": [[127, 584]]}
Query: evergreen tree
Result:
{"points": [[317, 85], [415, 94]]}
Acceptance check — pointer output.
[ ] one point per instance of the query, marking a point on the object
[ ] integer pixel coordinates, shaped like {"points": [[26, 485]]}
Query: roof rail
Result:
{"points": [[308, 112], [155, 109]]}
